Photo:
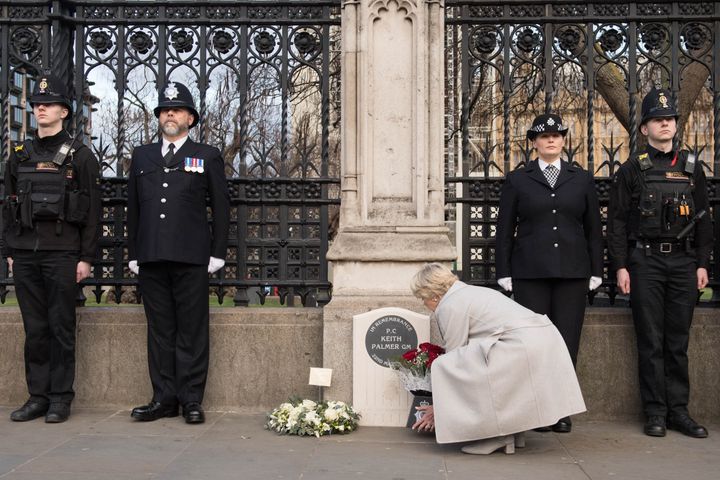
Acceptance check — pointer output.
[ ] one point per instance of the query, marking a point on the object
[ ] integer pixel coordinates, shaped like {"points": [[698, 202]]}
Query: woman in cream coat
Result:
{"points": [[506, 370]]}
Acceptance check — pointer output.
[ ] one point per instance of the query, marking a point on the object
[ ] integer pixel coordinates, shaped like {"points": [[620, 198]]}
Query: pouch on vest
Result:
{"points": [[46, 206], [78, 206], [10, 211], [24, 187], [650, 207]]}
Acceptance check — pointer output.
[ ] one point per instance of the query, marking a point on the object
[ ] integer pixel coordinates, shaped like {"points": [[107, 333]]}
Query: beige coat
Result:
{"points": [[506, 369]]}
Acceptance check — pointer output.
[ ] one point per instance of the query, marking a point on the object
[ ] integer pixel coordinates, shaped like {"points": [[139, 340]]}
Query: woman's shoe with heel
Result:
{"points": [[489, 445]]}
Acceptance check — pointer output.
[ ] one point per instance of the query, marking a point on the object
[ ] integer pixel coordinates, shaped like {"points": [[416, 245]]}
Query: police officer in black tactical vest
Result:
{"points": [[172, 249], [660, 238], [51, 217]]}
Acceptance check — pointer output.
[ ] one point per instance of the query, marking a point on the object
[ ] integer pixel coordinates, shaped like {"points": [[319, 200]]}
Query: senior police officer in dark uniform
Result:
{"points": [[549, 236], [172, 248], [660, 238], [51, 214]]}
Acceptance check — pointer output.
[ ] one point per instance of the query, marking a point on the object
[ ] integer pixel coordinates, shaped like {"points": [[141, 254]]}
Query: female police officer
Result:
{"points": [[549, 249]]}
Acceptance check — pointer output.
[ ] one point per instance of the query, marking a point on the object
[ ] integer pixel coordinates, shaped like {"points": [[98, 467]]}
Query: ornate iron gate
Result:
{"points": [[266, 78], [591, 62]]}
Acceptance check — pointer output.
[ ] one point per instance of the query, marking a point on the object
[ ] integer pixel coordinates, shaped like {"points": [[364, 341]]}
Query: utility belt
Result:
{"points": [[660, 247]]}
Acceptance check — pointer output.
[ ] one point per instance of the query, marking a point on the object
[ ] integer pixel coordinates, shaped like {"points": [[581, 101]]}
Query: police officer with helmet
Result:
{"points": [[660, 239], [172, 249], [51, 217]]}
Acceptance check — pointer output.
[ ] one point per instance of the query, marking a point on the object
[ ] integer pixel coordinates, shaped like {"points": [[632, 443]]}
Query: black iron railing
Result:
{"points": [[591, 62], [265, 76]]}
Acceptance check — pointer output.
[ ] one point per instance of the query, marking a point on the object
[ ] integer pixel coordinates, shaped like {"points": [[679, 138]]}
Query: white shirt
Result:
{"points": [[543, 164], [165, 145]]}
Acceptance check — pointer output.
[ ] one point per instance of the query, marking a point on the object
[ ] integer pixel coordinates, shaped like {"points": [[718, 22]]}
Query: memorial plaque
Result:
{"points": [[389, 337], [379, 337]]}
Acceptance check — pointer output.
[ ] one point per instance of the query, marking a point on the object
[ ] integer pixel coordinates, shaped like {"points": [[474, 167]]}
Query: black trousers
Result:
{"points": [[46, 291], [175, 296], [663, 292], [561, 299]]}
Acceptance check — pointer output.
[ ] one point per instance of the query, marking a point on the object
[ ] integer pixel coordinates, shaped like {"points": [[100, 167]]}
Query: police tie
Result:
{"points": [[551, 174], [170, 154]]}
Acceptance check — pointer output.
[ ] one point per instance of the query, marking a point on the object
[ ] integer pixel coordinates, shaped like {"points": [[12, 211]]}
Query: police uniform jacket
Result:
{"points": [[545, 232], [626, 190], [167, 206], [82, 174]]}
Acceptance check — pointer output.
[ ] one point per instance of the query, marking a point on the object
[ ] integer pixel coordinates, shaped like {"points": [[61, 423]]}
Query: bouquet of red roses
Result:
{"points": [[413, 368]]}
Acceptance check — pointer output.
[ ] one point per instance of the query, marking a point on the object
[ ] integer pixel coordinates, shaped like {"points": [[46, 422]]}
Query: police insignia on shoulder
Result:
{"points": [[645, 162]]}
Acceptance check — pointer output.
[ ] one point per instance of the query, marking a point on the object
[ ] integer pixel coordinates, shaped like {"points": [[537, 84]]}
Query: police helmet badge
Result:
{"points": [[171, 91], [43, 85], [662, 100]]}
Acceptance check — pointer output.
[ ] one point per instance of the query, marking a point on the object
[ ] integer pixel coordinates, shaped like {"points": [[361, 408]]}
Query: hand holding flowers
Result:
{"points": [[426, 418], [413, 368]]}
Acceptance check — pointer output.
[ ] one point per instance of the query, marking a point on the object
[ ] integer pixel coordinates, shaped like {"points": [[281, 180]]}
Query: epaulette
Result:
{"points": [[644, 161], [22, 152], [77, 145]]}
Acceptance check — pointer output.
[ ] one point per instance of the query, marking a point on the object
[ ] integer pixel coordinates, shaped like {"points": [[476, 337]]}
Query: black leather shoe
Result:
{"points": [[687, 426], [30, 411], [564, 425], [153, 411], [655, 426], [193, 413], [57, 413], [542, 429]]}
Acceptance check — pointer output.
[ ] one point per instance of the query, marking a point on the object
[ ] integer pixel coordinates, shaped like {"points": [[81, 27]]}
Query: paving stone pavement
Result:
{"points": [[101, 444]]}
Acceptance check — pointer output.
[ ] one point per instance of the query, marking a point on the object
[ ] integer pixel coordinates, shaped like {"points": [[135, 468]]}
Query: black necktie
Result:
{"points": [[170, 154]]}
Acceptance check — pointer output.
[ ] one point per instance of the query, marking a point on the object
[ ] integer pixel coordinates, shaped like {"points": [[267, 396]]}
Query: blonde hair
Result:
{"points": [[432, 280]]}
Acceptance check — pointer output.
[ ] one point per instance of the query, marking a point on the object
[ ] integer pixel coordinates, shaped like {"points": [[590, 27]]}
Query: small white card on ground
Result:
{"points": [[320, 377]]}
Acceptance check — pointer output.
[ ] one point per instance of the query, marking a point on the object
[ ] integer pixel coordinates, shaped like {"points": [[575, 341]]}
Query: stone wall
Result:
{"points": [[260, 356], [607, 364]]}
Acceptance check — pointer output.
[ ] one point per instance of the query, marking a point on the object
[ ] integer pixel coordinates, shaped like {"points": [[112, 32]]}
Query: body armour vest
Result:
{"points": [[665, 202], [47, 191]]}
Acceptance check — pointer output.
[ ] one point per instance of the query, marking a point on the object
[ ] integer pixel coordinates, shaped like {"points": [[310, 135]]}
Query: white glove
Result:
{"points": [[505, 283], [133, 266], [595, 282], [215, 264]]}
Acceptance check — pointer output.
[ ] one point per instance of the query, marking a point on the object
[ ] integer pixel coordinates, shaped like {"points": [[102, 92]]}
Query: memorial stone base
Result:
{"points": [[380, 337]]}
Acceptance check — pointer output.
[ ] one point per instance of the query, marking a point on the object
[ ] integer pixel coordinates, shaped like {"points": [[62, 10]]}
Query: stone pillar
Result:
{"points": [[391, 219]]}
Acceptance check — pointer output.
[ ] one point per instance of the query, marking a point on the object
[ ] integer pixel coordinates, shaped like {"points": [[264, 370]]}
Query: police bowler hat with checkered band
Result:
{"points": [[176, 95], [546, 123], [50, 89]]}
